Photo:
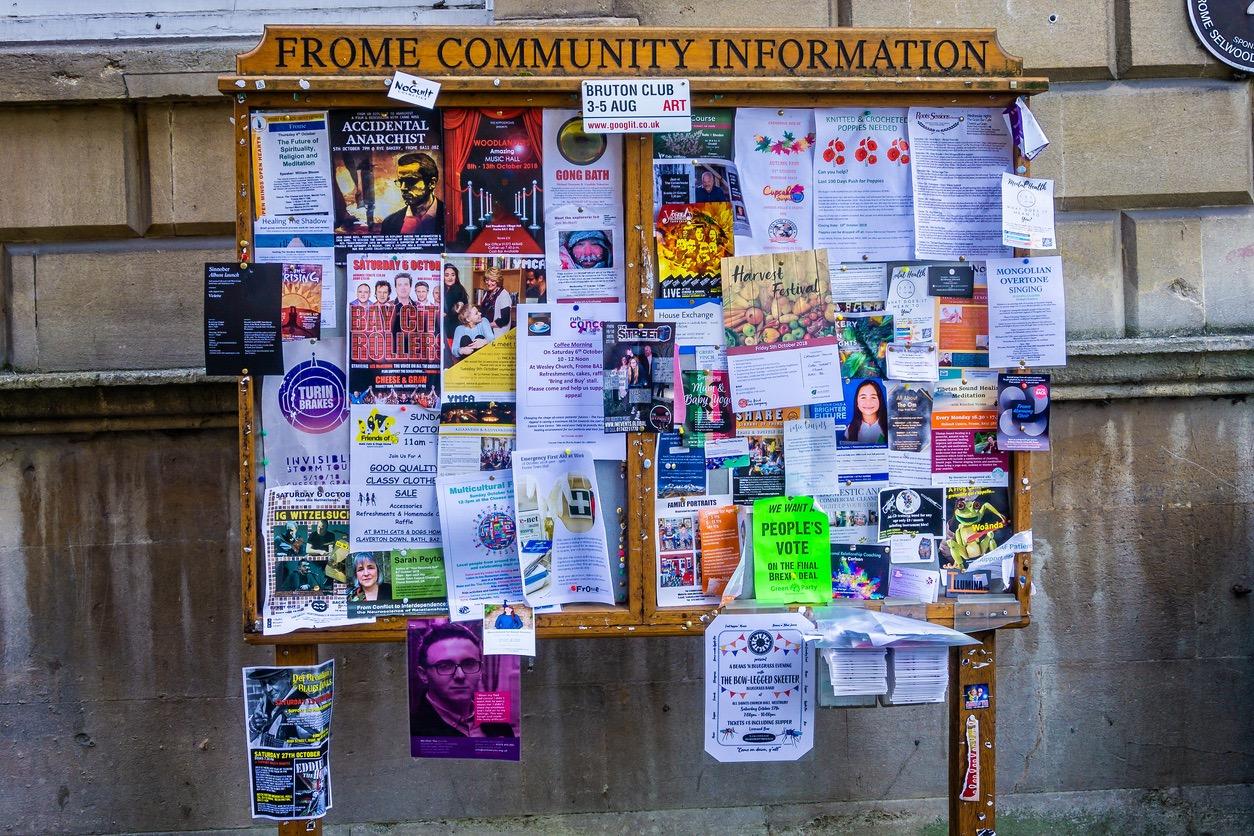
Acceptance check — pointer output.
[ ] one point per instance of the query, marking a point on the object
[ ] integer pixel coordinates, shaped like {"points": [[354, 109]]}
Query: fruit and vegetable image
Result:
{"points": [[780, 298]]}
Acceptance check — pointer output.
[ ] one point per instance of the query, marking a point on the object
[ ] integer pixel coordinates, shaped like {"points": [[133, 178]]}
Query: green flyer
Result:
{"points": [[792, 562], [418, 574]]}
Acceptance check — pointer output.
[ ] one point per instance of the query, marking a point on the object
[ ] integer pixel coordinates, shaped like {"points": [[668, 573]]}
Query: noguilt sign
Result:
{"points": [[628, 105]]}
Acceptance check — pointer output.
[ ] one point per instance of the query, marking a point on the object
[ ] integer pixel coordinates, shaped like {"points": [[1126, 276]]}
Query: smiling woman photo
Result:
{"points": [[366, 586]]}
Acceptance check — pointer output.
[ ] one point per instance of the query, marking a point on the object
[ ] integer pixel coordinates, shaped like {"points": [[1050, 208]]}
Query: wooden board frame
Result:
{"points": [[263, 81]]}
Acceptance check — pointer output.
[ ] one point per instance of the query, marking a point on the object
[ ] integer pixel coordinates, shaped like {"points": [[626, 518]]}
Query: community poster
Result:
{"points": [[480, 541], [698, 549], [775, 161], [291, 165], [303, 413], [287, 724]]}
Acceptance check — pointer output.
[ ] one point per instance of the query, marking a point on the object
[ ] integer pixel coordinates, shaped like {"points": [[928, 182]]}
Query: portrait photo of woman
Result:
{"points": [[366, 580], [867, 414]]}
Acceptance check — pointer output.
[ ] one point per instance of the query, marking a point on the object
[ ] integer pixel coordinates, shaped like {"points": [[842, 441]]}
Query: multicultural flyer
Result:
{"points": [[388, 171], [303, 412], [396, 582], [977, 520], [495, 185], [964, 430], [1026, 313], [958, 156], [780, 329], [560, 378], [480, 541], [562, 548], [291, 186], [775, 160], [684, 557], [909, 433], [962, 336], [463, 703], [860, 571], [863, 198], [791, 557], [1023, 412], [760, 687], [287, 723], [638, 376], [306, 554], [584, 242]]}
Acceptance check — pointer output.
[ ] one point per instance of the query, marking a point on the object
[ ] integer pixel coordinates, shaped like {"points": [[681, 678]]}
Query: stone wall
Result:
{"points": [[119, 700]]}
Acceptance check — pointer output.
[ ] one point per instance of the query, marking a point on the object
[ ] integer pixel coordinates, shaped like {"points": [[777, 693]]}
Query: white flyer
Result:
{"points": [[857, 282], [811, 470], [912, 362], [1027, 323], [917, 584], [957, 157], [912, 548], [680, 579], [562, 549], [863, 206], [304, 249], [304, 413], [560, 379], [583, 226], [775, 161], [913, 310], [291, 172], [480, 541], [1027, 213], [392, 469], [760, 687]]}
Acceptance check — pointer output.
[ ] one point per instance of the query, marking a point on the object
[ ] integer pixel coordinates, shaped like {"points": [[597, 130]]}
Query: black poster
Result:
{"points": [[242, 319], [953, 280], [906, 511]]}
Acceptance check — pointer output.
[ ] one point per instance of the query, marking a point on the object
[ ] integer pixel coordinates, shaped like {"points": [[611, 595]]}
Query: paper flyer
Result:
{"points": [[495, 186], [388, 171], [856, 283], [863, 340], [1026, 313], [977, 520], [764, 476], [711, 136], [480, 540], [775, 160], [509, 629], [638, 383], [958, 156], [300, 306], [913, 548], [860, 571], [791, 556], [681, 469], [682, 553], [863, 204], [912, 309], [311, 252], [291, 165], [919, 584], [287, 724], [760, 680], [392, 470], [396, 582], [707, 404], [909, 433], [692, 240], [306, 553], [475, 435], [479, 351], [242, 321], [560, 377], [962, 326], [584, 241], [1023, 412], [911, 511], [303, 413], [780, 329], [964, 430], [561, 541], [462, 702], [1027, 213]]}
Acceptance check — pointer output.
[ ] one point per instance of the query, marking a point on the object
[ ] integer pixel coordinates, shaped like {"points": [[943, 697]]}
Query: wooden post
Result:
{"points": [[298, 654], [973, 720]]}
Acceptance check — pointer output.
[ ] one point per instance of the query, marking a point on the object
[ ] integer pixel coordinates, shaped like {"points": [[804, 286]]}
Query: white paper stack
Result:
{"points": [[917, 675], [857, 672]]}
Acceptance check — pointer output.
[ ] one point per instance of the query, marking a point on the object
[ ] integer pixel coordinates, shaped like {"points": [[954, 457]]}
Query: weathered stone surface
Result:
{"points": [[1067, 39], [537, 9], [71, 171], [1114, 147], [191, 166], [1165, 286], [722, 13], [1090, 246], [1161, 43], [1228, 265], [136, 305]]}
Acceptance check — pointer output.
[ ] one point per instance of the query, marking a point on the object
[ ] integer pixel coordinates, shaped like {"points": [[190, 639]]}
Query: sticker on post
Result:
{"points": [[971, 772], [414, 90], [626, 105]]}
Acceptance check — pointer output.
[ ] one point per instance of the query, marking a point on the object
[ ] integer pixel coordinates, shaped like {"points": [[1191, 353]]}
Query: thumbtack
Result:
{"points": [[264, 463], [264, 433], [866, 257], [1023, 169], [568, 451], [1025, 261]]}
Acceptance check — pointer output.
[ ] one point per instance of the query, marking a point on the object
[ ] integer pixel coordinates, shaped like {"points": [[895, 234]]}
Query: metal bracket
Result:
{"points": [[975, 613]]}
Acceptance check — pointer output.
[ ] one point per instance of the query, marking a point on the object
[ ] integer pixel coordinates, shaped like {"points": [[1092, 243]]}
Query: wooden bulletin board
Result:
{"points": [[335, 67]]}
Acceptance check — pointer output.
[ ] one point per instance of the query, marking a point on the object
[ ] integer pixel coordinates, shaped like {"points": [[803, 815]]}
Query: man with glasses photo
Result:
{"points": [[449, 668], [416, 176]]}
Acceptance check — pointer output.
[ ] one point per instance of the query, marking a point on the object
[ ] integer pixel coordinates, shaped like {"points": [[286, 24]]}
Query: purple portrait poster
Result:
{"points": [[462, 703]]}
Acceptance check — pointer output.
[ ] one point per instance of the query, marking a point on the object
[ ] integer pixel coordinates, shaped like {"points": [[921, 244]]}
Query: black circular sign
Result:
{"points": [[1226, 30]]}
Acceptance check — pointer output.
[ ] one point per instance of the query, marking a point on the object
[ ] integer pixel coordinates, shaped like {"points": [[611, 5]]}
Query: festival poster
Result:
{"points": [[301, 303], [584, 243], [480, 541], [291, 180], [463, 703], [396, 582], [681, 552], [562, 549], [305, 562], [1023, 412], [860, 571], [311, 253], [287, 725], [775, 161], [692, 240], [764, 476], [559, 378], [781, 331], [303, 413], [388, 173], [495, 181], [638, 381], [863, 198], [760, 681], [964, 430], [977, 520]]}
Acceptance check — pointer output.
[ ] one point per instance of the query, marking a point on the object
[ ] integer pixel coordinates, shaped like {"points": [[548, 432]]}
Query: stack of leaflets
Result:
{"points": [[917, 675], [857, 672]]}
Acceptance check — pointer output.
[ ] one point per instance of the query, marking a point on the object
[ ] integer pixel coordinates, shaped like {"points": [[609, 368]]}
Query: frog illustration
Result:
{"points": [[977, 522]]}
